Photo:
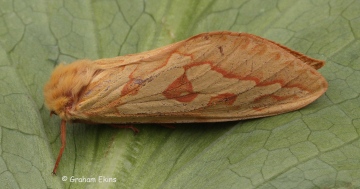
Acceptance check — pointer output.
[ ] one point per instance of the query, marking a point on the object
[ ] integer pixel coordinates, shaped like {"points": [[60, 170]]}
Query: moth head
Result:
{"points": [[66, 85]]}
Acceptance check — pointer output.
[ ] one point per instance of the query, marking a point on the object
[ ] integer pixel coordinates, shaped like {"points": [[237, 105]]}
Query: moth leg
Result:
{"points": [[63, 144], [136, 130]]}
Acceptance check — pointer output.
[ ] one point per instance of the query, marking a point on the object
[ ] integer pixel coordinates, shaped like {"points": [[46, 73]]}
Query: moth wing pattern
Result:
{"points": [[216, 76]]}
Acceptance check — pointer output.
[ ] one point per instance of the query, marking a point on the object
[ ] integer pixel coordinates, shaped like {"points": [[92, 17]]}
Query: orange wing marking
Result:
{"points": [[180, 90]]}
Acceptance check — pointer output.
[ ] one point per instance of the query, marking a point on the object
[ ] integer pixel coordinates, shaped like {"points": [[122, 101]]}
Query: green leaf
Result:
{"points": [[315, 147]]}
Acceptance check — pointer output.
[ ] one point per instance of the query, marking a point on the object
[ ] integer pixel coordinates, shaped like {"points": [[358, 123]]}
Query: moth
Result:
{"points": [[210, 77]]}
